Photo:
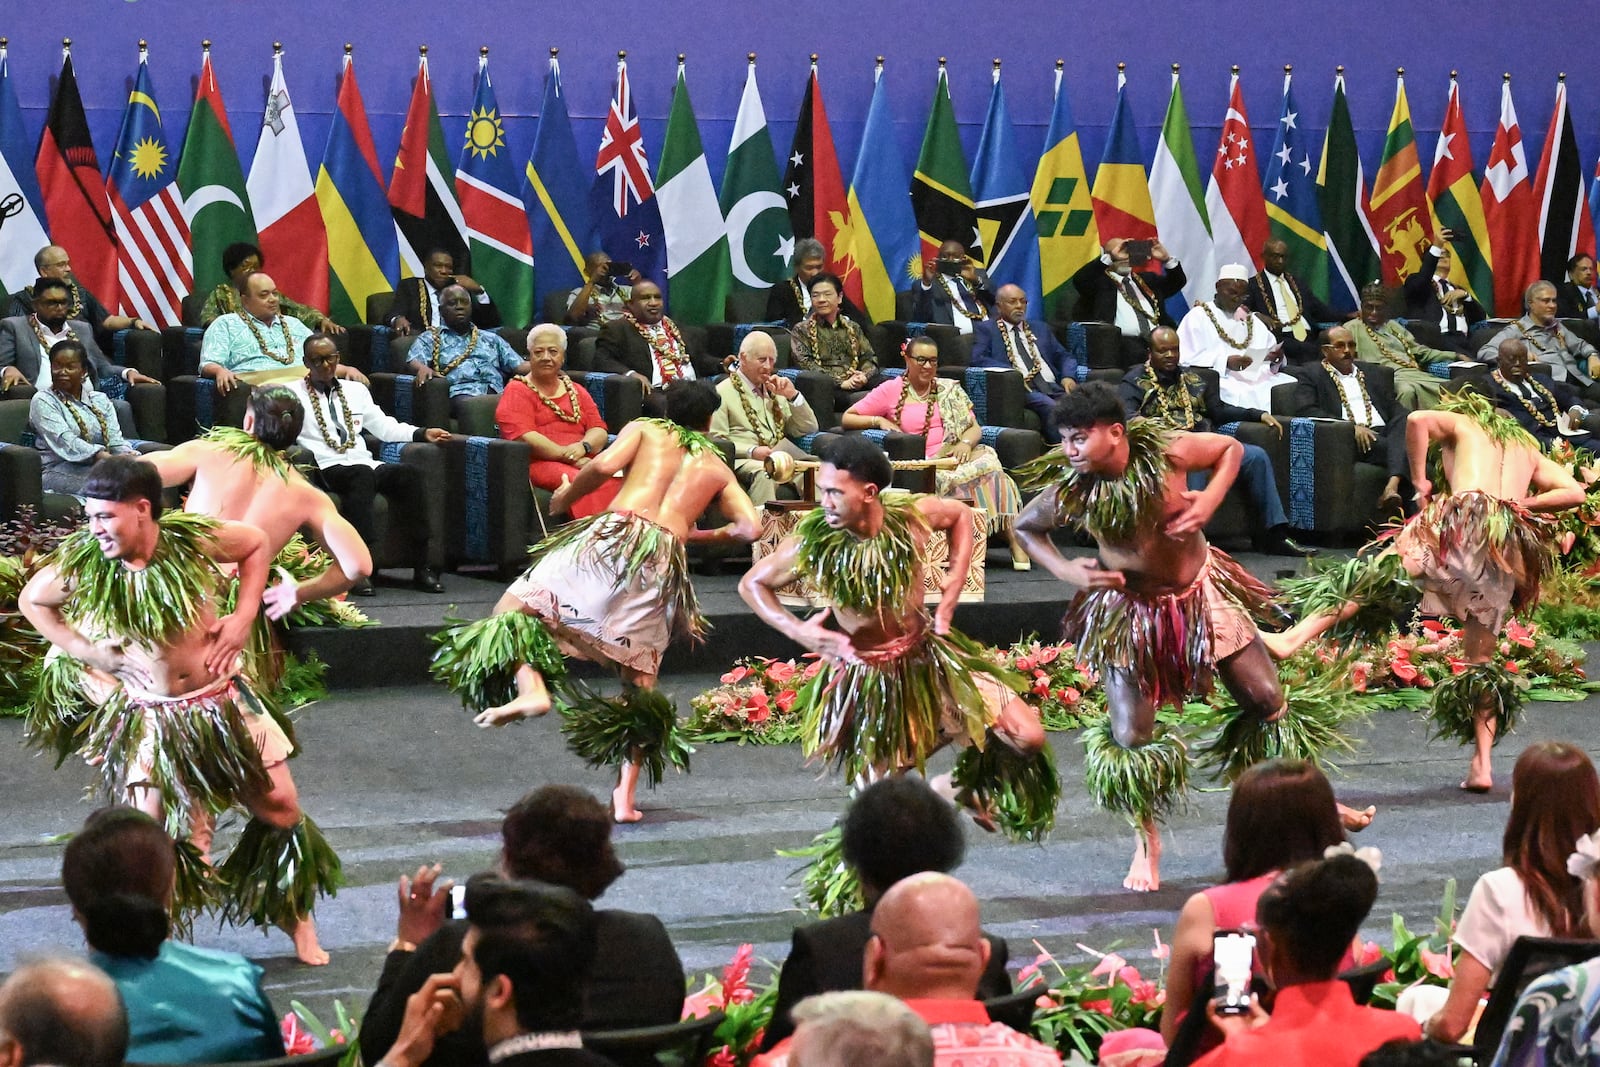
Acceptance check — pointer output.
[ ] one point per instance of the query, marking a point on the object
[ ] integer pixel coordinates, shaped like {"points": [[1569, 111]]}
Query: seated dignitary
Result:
{"points": [[1012, 341], [1576, 298], [185, 1004], [240, 260], [1341, 390], [1225, 335], [760, 412], [893, 829], [646, 344], [336, 415], [1115, 289], [61, 1013], [1379, 339], [52, 261], [789, 301], [954, 290], [559, 835], [1288, 305], [1570, 358], [1431, 296], [1541, 407], [830, 341], [476, 361], [603, 296], [257, 344], [417, 300], [1164, 392], [557, 418], [858, 1026], [73, 423]]}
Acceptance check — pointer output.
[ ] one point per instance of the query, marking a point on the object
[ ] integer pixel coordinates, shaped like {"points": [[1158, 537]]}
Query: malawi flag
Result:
{"points": [[497, 223], [941, 194], [1398, 207], [75, 201], [1564, 223], [422, 189], [212, 183], [1122, 206], [1457, 205], [1508, 211], [814, 186], [363, 259]]}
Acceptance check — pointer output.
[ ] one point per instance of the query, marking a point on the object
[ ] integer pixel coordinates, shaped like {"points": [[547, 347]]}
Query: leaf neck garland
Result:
{"points": [[1114, 510], [864, 575], [249, 448], [1502, 429], [693, 442], [150, 605]]}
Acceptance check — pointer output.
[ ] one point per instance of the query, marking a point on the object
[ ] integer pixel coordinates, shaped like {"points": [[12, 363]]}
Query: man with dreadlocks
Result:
{"points": [[1160, 611], [613, 589], [1478, 551], [145, 679], [901, 685]]}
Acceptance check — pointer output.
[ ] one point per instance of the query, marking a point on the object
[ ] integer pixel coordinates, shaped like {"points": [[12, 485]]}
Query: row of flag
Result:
{"points": [[153, 227]]}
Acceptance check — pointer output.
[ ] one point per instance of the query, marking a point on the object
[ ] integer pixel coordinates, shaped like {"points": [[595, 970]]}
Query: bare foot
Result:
{"points": [[1357, 821], [306, 946], [1296, 637], [532, 700], [1478, 784], [1144, 875], [622, 806]]}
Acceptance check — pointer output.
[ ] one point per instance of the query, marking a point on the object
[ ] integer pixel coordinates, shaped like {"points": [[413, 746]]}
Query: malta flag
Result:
{"points": [[294, 243], [153, 268], [881, 234], [1398, 207], [1508, 212], [1564, 224], [497, 223], [75, 200], [1238, 212], [814, 187], [1122, 206], [1457, 205]]}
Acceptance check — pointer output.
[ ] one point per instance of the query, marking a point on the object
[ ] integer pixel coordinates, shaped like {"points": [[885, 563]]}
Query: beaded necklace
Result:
{"points": [[438, 343], [1344, 403], [1402, 357], [802, 296], [771, 436], [261, 338], [1152, 304], [1170, 405], [666, 345], [76, 310], [38, 331], [1296, 307], [927, 400], [567, 391], [322, 425], [1537, 343], [811, 331], [72, 405], [227, 299], [424, 305], [1539, 390], [956, 301], [1022, 363], [1222, 335]]}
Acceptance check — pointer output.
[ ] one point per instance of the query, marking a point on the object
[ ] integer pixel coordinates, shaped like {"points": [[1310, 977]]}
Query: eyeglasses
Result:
{"points": [[1340, 345], [926, 360]]}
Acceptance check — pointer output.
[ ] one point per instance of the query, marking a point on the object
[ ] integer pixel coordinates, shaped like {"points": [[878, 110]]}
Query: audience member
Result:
{"points": [[893, 829], [1132, 298], [1288, 305], [830, 341], [61, 1013], [26, 341], [1308, 917], [1431, 296], [184, 1004], [1570, 358], [954, 290], [1555, 799], [52, 261], [789, 301], [1012, 341], [761, 413], [257, 344], [646, 344], [1576, 297], [601, 298], [920, 402], [562, 836], [1405, 1052], [340, 413], [1379, 339], [1539, 407], [240, 260], [1341, 390], [557, 418], [857, 1027], [74, 424], [476, 361], [417, 301], [1226, 336]]}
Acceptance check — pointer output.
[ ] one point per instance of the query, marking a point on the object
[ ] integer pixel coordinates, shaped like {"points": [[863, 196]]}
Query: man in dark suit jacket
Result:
{"points": [[416, 300], [1288, 305], [1010, 341], [1340, 389], [1576, 297], [1114, 289], [894, 828], [789, 301], [648, 345], [1430, 296], [954, 290], [1536, 402]]}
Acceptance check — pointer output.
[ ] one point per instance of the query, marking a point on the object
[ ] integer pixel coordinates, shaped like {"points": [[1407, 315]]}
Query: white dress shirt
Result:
{"points": [[365, 414]]}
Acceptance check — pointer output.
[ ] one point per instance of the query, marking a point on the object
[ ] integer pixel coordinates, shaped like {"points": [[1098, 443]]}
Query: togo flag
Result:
{"points": [[760, 237], [697, 242]]}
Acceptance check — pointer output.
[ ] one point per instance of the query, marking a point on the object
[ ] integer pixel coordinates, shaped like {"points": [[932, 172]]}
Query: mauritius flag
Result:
{"points": [[363, 258]]}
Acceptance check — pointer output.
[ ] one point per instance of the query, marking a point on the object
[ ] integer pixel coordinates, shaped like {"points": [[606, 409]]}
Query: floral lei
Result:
{"points": [[1162, 402], [438, 343], [1361, 383], [322, 423], [949, 396], [261, 338], [774, 412], [569, 392], [1544, 394], [666, 345]]}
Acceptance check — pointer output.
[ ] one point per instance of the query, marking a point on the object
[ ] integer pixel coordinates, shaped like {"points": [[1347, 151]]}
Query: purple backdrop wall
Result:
{"points": [[1369, 39]]}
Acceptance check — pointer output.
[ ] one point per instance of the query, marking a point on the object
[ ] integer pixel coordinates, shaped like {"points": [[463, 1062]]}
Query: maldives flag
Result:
{"points": [[1509, 213], [1564, 223], [1234, 203], [814, 187], [75, 201]]}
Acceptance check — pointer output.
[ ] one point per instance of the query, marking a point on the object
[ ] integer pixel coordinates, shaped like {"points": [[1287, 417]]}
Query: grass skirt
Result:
{"points": [[1021, 792], [639, 726], [1146, 783], [478, 661], [274, 876], [1453, 712]]}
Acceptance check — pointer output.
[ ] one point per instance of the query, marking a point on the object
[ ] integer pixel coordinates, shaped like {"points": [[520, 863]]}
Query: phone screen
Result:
{"points": [[1139, 251], [1231, 955], [458, 901]]}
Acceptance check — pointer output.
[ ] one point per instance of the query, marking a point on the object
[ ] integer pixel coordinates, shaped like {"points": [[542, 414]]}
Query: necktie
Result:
{"points": [[1298, 327], [334, 417], [1588, 302], [1130, 290], [1450, 325]]}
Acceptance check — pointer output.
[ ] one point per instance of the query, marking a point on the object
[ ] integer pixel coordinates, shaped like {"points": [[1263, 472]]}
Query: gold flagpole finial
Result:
{"points": [[1236, 70], [349, 49], [553, 51], [1122, 68], [751, 57], [1174, 68], [422, 50], [277, 48], [1061, 64], [622, 53], [483, 51], [205, 46], [1288, 68]]}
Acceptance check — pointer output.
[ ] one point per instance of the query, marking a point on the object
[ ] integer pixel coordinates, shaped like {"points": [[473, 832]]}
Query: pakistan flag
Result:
{"points": [[760, 238]]}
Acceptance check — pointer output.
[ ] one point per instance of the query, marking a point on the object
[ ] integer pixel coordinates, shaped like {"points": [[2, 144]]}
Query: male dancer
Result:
{"points": [[612, 589], [145, 682], [901, 685], [1160, 611]]}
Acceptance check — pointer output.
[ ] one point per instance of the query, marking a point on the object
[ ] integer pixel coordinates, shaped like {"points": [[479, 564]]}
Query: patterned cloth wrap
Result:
{"points": [[1477, 557]]}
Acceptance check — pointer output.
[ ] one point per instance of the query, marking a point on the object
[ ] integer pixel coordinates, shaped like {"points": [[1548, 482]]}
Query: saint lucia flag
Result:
{"points": [[499, 245], [363, 257], [1005, 216]]}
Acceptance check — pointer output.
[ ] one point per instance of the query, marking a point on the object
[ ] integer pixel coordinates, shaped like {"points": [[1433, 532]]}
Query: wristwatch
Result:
{"points": [[588, 449]]}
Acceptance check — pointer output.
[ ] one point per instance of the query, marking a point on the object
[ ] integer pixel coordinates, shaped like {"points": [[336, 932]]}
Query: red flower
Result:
{"points": [[1402, 669], [785, 699], [758, 710], [735, 676], [1049, 653], [1519, 633], [1511, 666], [723, 1057], [736, 976], [781, 671], [1368, 952], [1437, 963], [1026, 663], [296, 1041], [1041, 684], [1069, 695], [1358, 676], [1101, 1006]]}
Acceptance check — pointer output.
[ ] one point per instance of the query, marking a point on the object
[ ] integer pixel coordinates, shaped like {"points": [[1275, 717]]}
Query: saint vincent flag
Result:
{"points": [[422, 189], [1122, 206], [499, 246], [881, 233], [19, 190], [1398, 207], [941, 196], [697, 240], [555, 190], [1342, 197], [1062, 207], [1291, 195], [212, 183], [760, 238], [75, 201], [1000, 195], [1457, 205], [363, 258]]}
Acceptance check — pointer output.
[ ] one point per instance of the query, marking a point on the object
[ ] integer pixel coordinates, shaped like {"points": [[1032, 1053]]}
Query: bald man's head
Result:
{"points": [[926, 940], [62, 1012]]}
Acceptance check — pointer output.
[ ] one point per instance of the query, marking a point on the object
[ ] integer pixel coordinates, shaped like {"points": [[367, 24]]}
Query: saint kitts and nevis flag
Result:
{"points": [[941, 195], [363, 258], [1342, 198], [555, 190], [73, 192], [1179, 200], [422, 188], [1062, 207], [1458, 207], [153, 271], [212, 183], [1398, 207], [814, 188], [881, 234], [497, 223], [1000, 194], [25, 232], [697, 240], [760, 237], [294, 242], [1290, 190]]}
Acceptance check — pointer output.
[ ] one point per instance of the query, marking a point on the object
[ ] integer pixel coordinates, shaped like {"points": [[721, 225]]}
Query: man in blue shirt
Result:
{"points": [[476, 361]]}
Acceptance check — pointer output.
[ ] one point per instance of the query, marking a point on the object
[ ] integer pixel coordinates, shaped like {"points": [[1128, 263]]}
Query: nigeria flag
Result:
{"points": [[760, 237], [697, 244]]}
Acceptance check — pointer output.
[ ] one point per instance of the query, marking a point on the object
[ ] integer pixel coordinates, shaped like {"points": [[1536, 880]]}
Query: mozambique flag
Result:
{"points": [[941, 195], [1457, 205], [1068, 236], [1398, 207], [422, 189], [363, 259], [1122, 206]]}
